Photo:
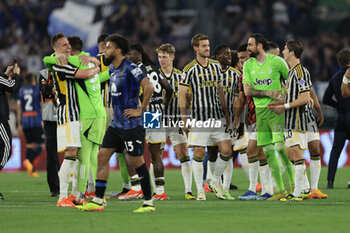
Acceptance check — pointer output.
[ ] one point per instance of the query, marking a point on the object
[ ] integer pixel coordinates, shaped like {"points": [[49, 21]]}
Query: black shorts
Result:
{"points": [[132, 140], [34, 135]]}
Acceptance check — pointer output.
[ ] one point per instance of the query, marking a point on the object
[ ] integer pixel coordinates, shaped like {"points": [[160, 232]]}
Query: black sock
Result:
{"points": [[145, 181], [29, 155], [100, 188], [37, 152]]}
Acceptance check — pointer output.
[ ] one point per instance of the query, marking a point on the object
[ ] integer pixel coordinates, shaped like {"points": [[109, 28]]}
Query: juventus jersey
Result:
{"points": [[202, 82], [230, 83], [172, 111], [298, 82], [155, 105], [68, 108]]}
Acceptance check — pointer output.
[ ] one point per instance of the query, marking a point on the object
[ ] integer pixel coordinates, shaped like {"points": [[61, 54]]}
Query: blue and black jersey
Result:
{"points": [[30, 100], [125, 83]]}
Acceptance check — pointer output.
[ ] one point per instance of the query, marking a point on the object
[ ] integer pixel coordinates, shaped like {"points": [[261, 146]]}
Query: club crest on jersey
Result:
{"points": [[151, 120], [267, 82], [302, 82]]}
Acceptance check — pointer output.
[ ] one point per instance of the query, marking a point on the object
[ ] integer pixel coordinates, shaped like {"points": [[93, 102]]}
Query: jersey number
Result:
{"points": [[29, 100], [129, 146], [153, 78]]}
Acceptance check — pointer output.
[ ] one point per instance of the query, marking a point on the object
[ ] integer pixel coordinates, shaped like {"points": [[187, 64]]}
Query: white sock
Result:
{"points": [[315, 170], [75, 179], [64, 176], [265, 179], [127, 185], [151, 173], [245, 164], [306, 184], [138, 186], [160, 188], [186, 171], [228, 176], [220, 166], [210, 170], [299, 179], [282, 168], [197, 168], [253, 175], [91, 183]]}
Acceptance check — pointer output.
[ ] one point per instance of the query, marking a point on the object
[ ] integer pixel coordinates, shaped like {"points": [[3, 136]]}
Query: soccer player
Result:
{"points": [[29, 121], [297, 96], [261, 80], [345, 86], [126, 130], [106, 97], [154, 137], [166, 56], [342, 105], [9, 81], [203, 76], [230, 83], [256, 157], [68, 125]]}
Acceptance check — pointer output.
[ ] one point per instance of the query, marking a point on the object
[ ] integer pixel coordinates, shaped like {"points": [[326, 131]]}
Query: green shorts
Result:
{"points": [[93, 129], [270, 129]]}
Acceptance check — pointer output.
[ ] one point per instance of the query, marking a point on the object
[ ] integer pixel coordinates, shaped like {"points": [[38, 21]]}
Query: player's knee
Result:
{"points": [[199, 151]]}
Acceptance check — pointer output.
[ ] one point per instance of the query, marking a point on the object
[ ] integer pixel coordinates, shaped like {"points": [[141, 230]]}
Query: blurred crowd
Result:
{"points": [[23, 28]]}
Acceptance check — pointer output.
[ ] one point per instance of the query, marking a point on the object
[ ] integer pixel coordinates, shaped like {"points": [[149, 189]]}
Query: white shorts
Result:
{"points": [[208, 136], [176, 135], [312, 132], [294, 137], [154, 136], [68, 136], [252, 134]]}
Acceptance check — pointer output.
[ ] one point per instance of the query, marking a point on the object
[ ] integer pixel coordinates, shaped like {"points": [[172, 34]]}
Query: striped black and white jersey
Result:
{"points": [[230, 83], [172, 111], [311, 119], [298, 81], [68, 106], [105, 91], [202, 82], [156, 103]]}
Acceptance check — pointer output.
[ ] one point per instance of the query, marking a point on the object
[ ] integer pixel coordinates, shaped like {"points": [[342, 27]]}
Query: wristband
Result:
{"points": [[345, 80], [287, 106]]}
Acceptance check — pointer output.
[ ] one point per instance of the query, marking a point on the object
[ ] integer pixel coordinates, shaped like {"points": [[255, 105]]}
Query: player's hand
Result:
{"points": [[277, 95], [185, 128], [240, 131], [272, 105], [132, 112], [16, 69], [347, 73], [87, 59], [312, 103], [9, 71], [279, 109], [235, 123], [320, 118], [61, 58]]}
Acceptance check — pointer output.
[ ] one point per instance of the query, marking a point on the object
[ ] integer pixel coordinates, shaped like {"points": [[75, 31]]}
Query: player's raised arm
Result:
{"points": [[345, 86]]}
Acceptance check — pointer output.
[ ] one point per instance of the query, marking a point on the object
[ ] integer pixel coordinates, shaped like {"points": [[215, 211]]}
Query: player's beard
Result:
{"points": [[108, 60], [253, 53]]}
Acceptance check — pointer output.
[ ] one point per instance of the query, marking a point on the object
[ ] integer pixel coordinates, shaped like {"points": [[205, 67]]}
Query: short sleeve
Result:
{"points": [[246, 74], [137, 73], [186, 78], [303, 80]]}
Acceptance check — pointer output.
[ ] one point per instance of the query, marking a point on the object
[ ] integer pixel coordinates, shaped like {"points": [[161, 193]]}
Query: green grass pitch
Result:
{"points": [[27, 208]]}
